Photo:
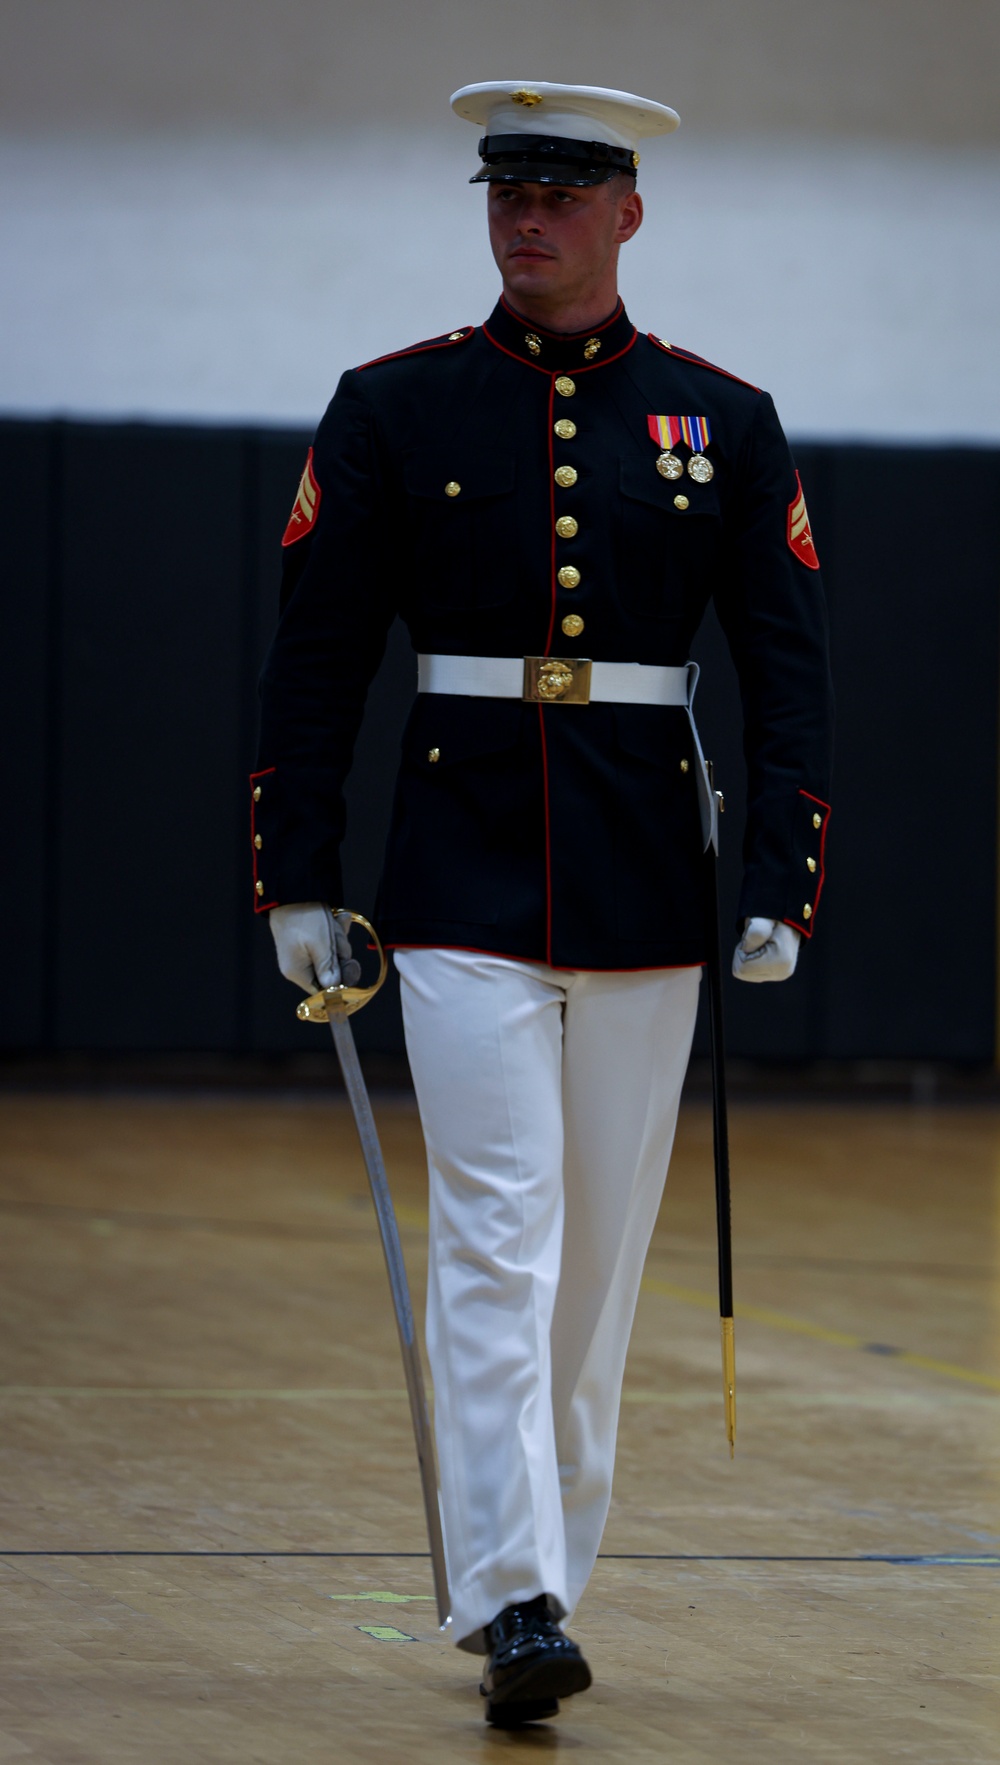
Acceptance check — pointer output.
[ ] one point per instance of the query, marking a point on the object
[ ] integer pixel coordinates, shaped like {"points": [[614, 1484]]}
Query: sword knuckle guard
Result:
{"points": [[344, 1001]]}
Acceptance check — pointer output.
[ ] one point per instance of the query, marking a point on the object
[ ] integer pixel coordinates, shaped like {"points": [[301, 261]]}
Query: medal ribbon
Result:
{"points": [[668, 431], [697, 432]]}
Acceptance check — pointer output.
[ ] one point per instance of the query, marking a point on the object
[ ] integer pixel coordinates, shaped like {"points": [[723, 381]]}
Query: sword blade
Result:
{"points": [[371, 1151]]}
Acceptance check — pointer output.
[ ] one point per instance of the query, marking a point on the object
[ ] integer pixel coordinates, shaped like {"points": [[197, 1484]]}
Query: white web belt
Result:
{"points": [[572, 680]]}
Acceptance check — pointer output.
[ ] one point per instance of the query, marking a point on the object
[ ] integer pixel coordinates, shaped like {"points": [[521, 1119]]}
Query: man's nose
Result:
{"points": [[530, 221]]}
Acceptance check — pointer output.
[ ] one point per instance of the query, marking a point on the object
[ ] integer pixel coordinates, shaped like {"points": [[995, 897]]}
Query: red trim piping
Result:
{"points": [[258, 905], [548, 837], [419, 348], [565, 336], [576, 372], [505, 956], [686, 355], [552, 514]]}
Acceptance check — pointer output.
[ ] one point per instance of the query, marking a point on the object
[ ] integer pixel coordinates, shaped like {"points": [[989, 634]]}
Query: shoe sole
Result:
{"points": [[543, 1679], [515, 1715]]}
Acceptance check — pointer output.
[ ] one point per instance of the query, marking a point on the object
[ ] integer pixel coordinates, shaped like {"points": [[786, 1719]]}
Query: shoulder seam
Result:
{"points": [[699, 361], [447, 341]]}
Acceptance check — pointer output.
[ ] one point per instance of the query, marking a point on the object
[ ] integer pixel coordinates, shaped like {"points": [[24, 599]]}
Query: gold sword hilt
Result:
{"points": [[345, 1000], [729, 1382]]}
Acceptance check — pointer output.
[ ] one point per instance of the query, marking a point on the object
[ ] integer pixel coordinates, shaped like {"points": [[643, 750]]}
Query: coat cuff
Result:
{"points": [[810, 823], [784, 878], [288, 865]]}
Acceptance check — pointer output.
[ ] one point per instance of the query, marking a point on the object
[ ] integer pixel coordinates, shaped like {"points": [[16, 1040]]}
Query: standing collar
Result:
{"points": [[559, 352]]}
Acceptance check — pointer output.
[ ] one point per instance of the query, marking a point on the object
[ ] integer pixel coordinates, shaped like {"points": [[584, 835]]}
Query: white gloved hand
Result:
{"points": [[313, 947], [767, 951]]}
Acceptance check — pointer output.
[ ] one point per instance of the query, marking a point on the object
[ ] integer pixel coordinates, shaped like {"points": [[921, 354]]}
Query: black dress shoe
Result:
{"points": [[531, 1665]]}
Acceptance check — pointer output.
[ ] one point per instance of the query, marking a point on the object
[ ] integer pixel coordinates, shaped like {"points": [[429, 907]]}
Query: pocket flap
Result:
{"points": [[644, 484], [456, 730], [455, 479]]}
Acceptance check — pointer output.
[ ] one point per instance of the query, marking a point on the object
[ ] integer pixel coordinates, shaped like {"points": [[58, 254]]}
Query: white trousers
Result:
{"points": [[548, 1102]]}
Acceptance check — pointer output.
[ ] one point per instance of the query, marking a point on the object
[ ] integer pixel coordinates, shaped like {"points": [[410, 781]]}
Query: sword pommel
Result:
{"points": [[343, 1001]]}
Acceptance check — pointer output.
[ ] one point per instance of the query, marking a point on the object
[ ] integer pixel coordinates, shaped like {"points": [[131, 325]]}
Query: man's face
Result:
{"points": [[554, 242]]}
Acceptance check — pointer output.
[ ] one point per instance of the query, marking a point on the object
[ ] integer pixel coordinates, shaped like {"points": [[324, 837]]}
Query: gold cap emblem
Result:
{"points": [[524, 96]]}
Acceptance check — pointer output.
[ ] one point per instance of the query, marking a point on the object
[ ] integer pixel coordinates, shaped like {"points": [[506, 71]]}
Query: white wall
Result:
{"points": [[235, 277]]}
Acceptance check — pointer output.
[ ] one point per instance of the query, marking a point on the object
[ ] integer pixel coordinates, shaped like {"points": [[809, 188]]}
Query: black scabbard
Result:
{"points": [[720, 1141]]}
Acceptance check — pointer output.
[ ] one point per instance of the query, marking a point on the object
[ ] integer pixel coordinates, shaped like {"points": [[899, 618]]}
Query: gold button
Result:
{"points": [[807, 911], [569, 576], [434, 755], [810, 864], [572, 625], [260, 888], [565, 386], [565, 429], [451, 488], [453, 336], [256, 794], [817, 821], [534, 343], [565, 476], [258, 842], [684, 765], [681, 502], [567, 527]]}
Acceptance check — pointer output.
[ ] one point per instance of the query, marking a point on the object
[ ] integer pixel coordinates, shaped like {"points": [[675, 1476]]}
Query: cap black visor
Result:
{"points": [[548, 159], [543, 172]]}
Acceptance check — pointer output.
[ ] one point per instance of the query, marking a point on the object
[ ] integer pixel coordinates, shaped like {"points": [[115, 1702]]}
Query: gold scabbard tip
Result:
{"points": [[729, 1382]]}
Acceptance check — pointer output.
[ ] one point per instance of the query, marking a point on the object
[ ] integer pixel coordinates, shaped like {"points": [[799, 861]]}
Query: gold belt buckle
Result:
{"points": [[556, 680]]}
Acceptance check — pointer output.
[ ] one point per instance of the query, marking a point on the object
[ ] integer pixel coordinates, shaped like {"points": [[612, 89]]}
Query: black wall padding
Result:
{"points": [[138, 590]]}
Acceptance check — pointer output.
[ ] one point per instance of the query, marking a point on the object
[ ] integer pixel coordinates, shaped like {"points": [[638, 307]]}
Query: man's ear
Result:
{"points": [[629, 217]]}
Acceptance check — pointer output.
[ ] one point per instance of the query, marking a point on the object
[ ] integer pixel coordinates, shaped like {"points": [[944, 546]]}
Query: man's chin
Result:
{"points": [[538, 276]]}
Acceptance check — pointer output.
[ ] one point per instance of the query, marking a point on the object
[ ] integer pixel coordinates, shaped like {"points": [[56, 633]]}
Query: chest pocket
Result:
{"points": [[666, 556], [461, 528]]}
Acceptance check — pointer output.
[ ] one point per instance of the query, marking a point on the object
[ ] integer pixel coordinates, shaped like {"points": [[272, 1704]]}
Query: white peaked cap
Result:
{"points": [[571, 113]]}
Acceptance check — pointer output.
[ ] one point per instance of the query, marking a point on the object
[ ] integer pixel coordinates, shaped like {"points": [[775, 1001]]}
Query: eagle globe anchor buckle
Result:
{"points": [[343, 1001]]}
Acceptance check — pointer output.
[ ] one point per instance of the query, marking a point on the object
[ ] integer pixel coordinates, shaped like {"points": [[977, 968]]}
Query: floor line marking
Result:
{"points": [[755, 1314], [963, 1559], [222, 1393]]}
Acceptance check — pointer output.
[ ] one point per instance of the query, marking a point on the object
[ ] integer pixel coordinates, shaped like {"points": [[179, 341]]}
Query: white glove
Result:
{"points": [[767, 951], [313, 947]]}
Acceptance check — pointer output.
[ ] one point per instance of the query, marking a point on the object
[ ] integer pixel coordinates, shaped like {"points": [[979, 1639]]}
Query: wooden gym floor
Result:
{"points": [[210, 1532]]}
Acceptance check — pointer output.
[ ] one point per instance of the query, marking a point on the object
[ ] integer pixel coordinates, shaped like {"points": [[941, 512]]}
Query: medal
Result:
{"points": [[670, 465], [695, 433]]}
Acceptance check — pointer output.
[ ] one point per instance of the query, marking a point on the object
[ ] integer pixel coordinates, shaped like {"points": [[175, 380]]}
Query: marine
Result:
{"points": [[549, 500]]}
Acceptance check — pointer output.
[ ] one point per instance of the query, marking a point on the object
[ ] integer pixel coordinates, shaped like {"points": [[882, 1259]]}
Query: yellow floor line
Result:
{"points": [[776, 1320]]}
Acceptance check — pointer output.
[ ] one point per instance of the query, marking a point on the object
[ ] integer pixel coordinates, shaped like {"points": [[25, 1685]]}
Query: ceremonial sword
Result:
{"points": [[334, 1006]]}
